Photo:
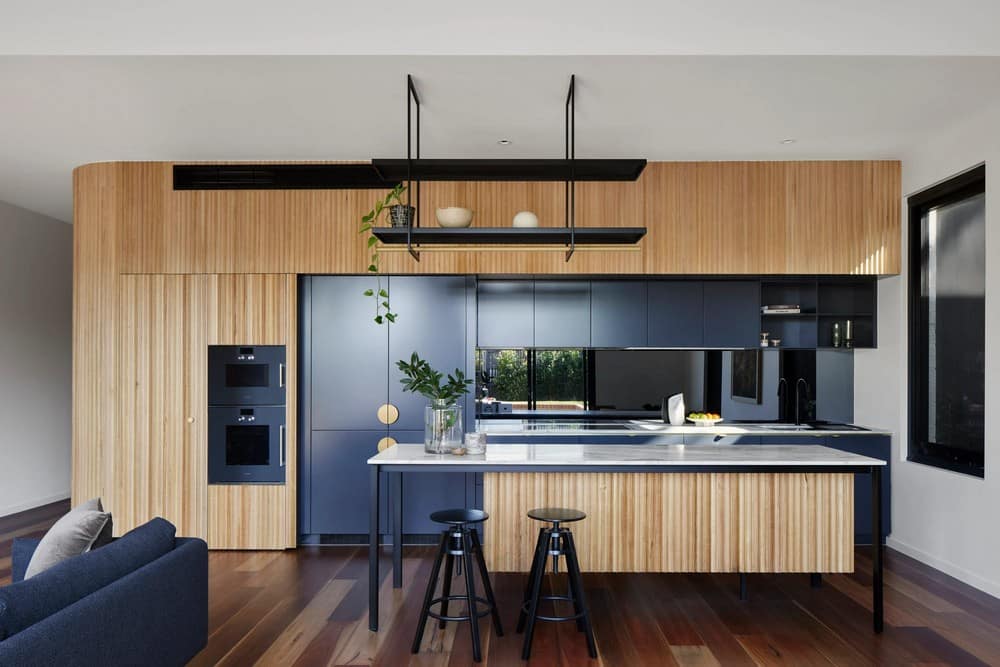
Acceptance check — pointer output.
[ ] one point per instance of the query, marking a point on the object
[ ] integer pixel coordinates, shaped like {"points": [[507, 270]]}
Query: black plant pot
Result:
{"points": [[401, 216]]}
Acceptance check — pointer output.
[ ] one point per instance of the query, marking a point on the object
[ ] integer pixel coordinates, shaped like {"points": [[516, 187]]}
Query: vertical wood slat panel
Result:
{"points": [[833, 217], [258, 310], [635, 522], [97, 206], [679, 522]]}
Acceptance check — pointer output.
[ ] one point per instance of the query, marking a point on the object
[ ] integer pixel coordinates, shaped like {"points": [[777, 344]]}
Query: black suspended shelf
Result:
{"points": [[388, 173], [510, 235], [510, 170]]}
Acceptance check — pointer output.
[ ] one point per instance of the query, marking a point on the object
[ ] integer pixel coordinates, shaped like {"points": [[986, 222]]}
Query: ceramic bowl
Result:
{"points": [[454, 216]]}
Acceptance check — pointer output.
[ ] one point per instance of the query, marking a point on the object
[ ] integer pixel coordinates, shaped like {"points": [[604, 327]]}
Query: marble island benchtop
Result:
{"points": [[648, 427], [619, 456]]}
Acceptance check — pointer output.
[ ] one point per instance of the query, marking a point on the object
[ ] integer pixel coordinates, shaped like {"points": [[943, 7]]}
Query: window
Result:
{"points": [[533, 379], [947, 323]]}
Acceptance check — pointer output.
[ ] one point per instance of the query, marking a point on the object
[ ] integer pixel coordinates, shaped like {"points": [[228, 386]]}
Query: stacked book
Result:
{"points": [[782, 309]]}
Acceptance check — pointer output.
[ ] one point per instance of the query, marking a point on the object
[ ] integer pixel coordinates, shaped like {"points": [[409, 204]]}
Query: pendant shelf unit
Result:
{"points": [[569, 170], [383, 173]]}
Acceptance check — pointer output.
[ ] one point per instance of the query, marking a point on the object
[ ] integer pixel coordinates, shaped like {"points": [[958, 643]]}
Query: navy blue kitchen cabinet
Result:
{"points": [[431, 322], [634, 439], [562, 313], [339, 484], [878, 447], [675, 313], [807, 438], [506, 313], [618, 313], [732, 314], [349, 355]]}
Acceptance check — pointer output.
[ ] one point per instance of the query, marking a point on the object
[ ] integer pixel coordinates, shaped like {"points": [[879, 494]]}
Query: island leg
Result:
{"points": [[373, 531], [877, 611], [397, 530]]}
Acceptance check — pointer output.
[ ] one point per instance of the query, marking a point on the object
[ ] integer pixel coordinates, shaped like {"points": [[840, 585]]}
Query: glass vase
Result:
{"points": [[442, 427]]}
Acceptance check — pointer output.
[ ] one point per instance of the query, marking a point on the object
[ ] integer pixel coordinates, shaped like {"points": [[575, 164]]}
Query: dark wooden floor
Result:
{"points": [[309, 607]]}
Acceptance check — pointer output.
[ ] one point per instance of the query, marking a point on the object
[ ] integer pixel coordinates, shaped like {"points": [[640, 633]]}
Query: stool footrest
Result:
{"points": [[526, 608], [462, 598]]}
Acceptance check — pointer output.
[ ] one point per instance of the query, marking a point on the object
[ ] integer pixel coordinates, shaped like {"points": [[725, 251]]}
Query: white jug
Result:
{"points": [[675, 409]]}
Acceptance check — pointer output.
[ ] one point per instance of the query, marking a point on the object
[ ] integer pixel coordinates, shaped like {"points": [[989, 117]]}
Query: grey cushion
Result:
{"points": [[79, 531]]}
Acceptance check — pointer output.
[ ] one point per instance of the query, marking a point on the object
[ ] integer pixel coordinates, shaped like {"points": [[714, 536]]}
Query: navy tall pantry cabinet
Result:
{"points": [[349, 373]]}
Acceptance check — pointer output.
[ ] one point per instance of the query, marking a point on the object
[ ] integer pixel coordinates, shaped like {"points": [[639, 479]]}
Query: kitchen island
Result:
{"points": [[691, 508]]}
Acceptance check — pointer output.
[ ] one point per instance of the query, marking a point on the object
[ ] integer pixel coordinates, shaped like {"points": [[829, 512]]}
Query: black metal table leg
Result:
{"points": [[878, 617], [816, 580], [373, 509], [743, 586], [397, 530]]}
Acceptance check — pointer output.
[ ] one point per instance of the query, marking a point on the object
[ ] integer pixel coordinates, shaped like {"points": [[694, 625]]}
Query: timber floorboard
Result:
{"points": [[309, 607]]}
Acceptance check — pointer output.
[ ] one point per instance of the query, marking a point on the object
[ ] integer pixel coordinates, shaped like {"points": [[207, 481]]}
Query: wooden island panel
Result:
{"points": [[679, 522]]}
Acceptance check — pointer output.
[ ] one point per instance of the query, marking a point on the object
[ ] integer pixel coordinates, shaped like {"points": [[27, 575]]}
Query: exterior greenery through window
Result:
{"points": [[948, 323], [533, 379]]}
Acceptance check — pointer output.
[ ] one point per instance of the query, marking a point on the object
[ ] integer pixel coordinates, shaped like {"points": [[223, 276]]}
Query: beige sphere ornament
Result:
{"points": [[525, 219]]}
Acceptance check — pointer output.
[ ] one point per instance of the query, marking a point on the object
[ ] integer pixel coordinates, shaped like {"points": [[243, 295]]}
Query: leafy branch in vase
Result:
{"points": [[369, 221], [420, 378]]}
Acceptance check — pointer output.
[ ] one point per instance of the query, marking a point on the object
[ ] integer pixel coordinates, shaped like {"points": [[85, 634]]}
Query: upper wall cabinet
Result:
{"points": [[833, 217], [506, 313], [676, 317], [732, 313], [618, 313], [562, 313]]}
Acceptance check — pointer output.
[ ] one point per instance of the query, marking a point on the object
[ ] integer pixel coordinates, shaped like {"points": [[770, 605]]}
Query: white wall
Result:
{"points": [[36, 274], [942, 518]]}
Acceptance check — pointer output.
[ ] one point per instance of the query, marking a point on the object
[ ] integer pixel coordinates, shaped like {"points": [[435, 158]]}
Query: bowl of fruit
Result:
{"points": [[705, 418]]}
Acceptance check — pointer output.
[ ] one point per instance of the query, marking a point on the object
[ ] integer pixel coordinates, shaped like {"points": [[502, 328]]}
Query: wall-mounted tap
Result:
{"points": [[782, 398], [798, 401]]}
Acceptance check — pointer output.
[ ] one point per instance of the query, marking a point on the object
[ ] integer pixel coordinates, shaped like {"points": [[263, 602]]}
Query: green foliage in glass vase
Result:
{"points": [[368, 221], [421, 379]]}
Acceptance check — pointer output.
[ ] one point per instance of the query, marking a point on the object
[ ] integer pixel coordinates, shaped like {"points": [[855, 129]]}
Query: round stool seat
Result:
{"points": [[556, 514], [457, 517]]}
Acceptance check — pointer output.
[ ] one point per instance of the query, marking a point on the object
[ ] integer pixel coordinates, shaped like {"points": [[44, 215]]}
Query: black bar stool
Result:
{"points": [[555, 541], [459, 544]]}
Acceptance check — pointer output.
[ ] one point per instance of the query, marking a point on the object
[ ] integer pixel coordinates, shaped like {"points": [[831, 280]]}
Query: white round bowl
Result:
{"points": [[525, 219], [454, 216]]}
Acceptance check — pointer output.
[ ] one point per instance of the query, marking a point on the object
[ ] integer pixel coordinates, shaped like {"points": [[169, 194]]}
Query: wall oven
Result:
{"points": [[246, 414], [246, 375], [246, 445]]}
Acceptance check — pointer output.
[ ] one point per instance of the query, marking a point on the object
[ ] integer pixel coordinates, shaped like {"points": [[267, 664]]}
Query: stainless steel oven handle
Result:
{"points": [[281, 375], [281, 446]]}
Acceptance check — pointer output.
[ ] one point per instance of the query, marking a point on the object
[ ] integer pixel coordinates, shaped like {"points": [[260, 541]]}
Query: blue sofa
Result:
{"points": [[140, 600]]}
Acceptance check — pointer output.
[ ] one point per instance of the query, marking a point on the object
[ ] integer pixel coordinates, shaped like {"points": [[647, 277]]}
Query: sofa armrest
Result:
{"points": [[20, 555]]}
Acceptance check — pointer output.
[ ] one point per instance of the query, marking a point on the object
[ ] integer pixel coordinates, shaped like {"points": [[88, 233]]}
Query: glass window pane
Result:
{"points": [[503, 375], [560, 382], [953, 285]]}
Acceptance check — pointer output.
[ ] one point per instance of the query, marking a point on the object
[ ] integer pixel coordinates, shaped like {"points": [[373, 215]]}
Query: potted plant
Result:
{"points": [[400, 215], [443, 417]]}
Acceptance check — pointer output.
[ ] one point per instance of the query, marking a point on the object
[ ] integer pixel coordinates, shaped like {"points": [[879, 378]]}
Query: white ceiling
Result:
{"points": [[59, 112], [510, 27]]}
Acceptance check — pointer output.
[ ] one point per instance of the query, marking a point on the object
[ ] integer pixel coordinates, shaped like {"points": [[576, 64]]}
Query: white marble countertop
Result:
{"points": [[629, 456], [641, 427]]}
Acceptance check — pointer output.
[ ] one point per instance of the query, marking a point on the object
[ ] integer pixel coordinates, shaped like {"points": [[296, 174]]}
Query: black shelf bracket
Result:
{"points": [[571, 159], [412, 101]]}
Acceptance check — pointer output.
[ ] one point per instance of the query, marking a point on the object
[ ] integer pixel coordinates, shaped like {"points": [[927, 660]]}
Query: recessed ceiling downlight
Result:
{"points": [[787, 141], [504, 142]]}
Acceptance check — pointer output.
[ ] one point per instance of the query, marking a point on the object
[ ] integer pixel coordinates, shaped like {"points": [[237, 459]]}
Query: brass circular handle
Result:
{"points": [[190, 420], [386, 443], [387, 413]]}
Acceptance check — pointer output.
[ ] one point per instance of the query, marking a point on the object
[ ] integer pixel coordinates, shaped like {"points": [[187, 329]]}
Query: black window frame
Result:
{"points": [[962, 186]]}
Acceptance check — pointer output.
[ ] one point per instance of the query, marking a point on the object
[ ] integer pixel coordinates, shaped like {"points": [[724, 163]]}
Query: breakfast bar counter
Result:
{"points": [[655, 508]]}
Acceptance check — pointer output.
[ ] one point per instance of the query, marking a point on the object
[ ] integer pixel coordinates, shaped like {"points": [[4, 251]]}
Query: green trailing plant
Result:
{"points": [[368, 221], [420, 378]]}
